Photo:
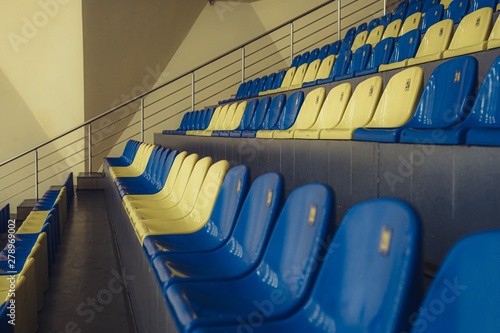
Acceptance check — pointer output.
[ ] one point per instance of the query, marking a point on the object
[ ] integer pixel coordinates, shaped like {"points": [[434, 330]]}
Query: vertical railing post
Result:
{"points": [[142, 119], [385, 7], [339, 16], [36, 174], [90, 147], [292, 41], [243, 56]]}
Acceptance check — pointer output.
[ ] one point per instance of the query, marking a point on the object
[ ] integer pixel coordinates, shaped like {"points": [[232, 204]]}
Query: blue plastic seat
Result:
{"points": [[483, 122], [362, 27], [296, 61], [464, 296], [415, 7], [323, 52], [381, 54], [443, 104], [271, 117], [245, 120], [428, 4], [399, 14], [358, 62], [287, 268], [127, 156], [432, 16], [269, 82], [219, 226], [258, 88], [370, 281], [373, 24], [386, 19], [241, 253], [256, 121], [406, 47], [335, 48], [208, 118], [287, 116], [457, 10], [478, 4], [348, 39], [339, 67]]}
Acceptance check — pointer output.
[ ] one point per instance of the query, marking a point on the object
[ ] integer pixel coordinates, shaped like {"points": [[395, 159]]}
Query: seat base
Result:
{"points": [[427, 58], [394, 65], [465, 50], [483, 136], [436, 136], [377, 134], [265, 134], [336, 134], [306, 134]]}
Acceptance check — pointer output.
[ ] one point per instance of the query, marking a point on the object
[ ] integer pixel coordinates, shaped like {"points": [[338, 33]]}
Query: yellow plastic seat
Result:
{"points": [[30, 308], [135, 169], [287, 81], [471, 33], [435, 42], [211, 125], [237, 116], [310, 75], [141, 200], [399, 100], [181, 200], [359, 41], [218, 121], [325, 68], [392, 29], [494, 39], [307, 115], [330, 114], [200, 213], [412, 22], [297, 80], [375, 35], [34, 222], [446, 3], [359, 110], [228, 118]]}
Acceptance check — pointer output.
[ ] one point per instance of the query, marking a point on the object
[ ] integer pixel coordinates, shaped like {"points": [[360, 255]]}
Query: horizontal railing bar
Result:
{"points": [[170, 94], [131, 114], [268, 45], [17, 170], [61, 160], [17, 182], [16, 194], [170, 105], [61, 148], [68, 168]]}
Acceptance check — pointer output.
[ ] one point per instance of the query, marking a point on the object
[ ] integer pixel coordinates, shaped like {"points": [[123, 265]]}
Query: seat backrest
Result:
{"points": [[201, 120], [253, 87], [473, 29], [229, 116], [436, 39], [447, 94], [287, 80], [259, 114], [184, 120], [362, 104], [175, 186], [215, 118], [392, 29], [304, 58], [486, 109], [348, 39], [341, 63], [371, 280], [298, 78], [273, 113], [411, 23], [246, 89], [248, 115], [193, 186], [278, 80], [465, 291], [457, 10], [386, 19], [325, 68], [432, 16], [381, 53], [323, 52], [310, 109], [362, 27], [359, 41], [375, 35], [297, 242], [175, 168], [399, 100], [360, 59], [313, 56], [478, 4], [335, 48], [290, 111], [241, 88], [373, 24], [333, 107], [220, 119], [269, 82], [166, 168], [259, 87], [296, 61], [495, 32], [312, 71], [415, 7], [428, 4], [257, 219], [399, 14], [194, 120], [406, 46], [238, 115], [208, 118]]}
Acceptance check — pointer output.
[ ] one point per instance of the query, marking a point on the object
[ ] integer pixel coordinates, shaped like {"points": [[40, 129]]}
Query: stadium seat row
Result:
{"points": [[386, 44], [26, 261], [442, 112], [257, 262]]}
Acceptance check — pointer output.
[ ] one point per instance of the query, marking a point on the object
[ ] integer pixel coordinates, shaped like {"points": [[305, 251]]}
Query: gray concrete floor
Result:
{"points": [[86, 291]]}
